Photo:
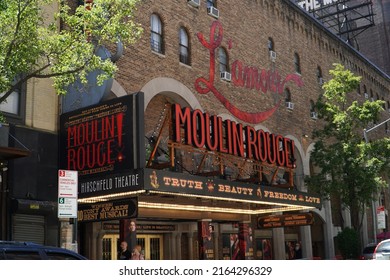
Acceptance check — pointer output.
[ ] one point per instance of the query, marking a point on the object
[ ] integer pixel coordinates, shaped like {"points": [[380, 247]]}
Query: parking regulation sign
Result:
{"points": [[67, 193]]}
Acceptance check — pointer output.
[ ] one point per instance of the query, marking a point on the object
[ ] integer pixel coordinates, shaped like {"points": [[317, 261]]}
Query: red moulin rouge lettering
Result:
{"points": [[92, 144], [242, 76], [230, 137]]}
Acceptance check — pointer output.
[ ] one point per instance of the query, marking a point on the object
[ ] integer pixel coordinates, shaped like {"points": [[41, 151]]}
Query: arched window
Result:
{"points": [[289, 103], [223, 60], [365, 92], [184, 47], [313, 111], [156, 34], [320, 79], [224, 65], [271, 46], [287, 94], [297, 63]]}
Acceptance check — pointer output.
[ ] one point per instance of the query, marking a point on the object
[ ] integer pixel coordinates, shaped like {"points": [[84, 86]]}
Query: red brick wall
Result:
{"points": [[246, 28]]}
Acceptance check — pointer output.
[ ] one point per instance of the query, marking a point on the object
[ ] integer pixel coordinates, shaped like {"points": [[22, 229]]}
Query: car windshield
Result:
{"points": [[384, 247], [369, 249], [382, 252]]}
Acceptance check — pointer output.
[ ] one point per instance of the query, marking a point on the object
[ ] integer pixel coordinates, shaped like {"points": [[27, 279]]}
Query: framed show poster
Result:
{"points": [[264, 249]]}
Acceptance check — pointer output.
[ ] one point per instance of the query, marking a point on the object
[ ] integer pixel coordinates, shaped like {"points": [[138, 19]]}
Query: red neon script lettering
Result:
{"points": [[248, 77]]}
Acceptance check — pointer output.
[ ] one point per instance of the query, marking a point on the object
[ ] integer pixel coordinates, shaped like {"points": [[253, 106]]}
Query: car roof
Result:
{"points": [[31, 246], [13, 244]]}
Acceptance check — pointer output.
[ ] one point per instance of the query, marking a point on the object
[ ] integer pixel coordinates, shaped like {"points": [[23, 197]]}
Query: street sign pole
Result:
{"points": [[67, 201], [374, 203]]}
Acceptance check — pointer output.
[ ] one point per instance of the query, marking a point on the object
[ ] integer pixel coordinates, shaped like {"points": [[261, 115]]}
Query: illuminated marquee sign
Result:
{"points": [[288, 220], [103, 143], [110, 210], [202, 130], [173, 182]]}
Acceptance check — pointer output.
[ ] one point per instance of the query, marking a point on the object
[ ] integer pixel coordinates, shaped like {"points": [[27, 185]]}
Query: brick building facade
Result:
{"points": [[278, 58]]}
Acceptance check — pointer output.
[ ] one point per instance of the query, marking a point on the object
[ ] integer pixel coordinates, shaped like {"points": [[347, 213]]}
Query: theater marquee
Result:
{"points": [[172, 182], [105, 144]]}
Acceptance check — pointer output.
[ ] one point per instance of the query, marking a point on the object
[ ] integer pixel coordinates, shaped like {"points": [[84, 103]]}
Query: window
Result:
{"points": [[365, 91], [14, 106], [320, 79], [156, 39], [11, 105], [212, 8], [297, 63], [287, 94], [313, 112], [184, 55], [223, 60], [211, 3], [224, 65], [271, 46], [289, 103]]}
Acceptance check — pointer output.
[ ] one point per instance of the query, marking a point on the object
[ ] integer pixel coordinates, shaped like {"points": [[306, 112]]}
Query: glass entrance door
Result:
{"points": [[110, 243], [152, 245]]}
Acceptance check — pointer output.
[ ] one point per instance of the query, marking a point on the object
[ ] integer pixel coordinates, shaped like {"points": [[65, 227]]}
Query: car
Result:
{"points": [[368, 251], [15, 250], [382, 250]]}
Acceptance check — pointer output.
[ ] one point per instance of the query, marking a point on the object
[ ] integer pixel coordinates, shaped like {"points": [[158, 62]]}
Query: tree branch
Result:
{"points": [[17, 29]]}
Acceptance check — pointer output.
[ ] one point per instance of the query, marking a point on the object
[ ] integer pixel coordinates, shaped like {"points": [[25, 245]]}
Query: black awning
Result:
{"points": [[7, 153]]}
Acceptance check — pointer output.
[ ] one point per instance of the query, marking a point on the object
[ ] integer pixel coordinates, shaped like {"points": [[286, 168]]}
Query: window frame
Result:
{"points": [[19, 116], [156, 34], [223, 60], [297, 63], [287, 94], [184, 47], [271, 44]]}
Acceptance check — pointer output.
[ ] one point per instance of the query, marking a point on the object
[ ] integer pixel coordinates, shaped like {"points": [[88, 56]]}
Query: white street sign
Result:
{"points": [[67, 207], [67, 183], [381, 217], [67, 193]]}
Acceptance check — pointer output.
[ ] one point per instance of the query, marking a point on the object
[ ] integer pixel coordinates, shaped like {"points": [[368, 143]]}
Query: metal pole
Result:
{"points": [[74, 239], [374, 127], [373, 204]]}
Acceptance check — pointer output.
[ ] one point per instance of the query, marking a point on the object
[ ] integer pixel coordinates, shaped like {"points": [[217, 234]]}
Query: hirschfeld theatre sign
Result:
{"points": [[103, 143]]}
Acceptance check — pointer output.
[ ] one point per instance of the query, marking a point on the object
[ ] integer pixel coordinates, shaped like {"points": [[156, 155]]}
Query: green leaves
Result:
{"points": [[346, 166], [32, 44]]}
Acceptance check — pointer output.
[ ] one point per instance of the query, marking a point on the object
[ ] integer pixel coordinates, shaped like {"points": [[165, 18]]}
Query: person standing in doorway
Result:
{"points": [[298, 251], [124, 253], [131, 233], [137, 253]]}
